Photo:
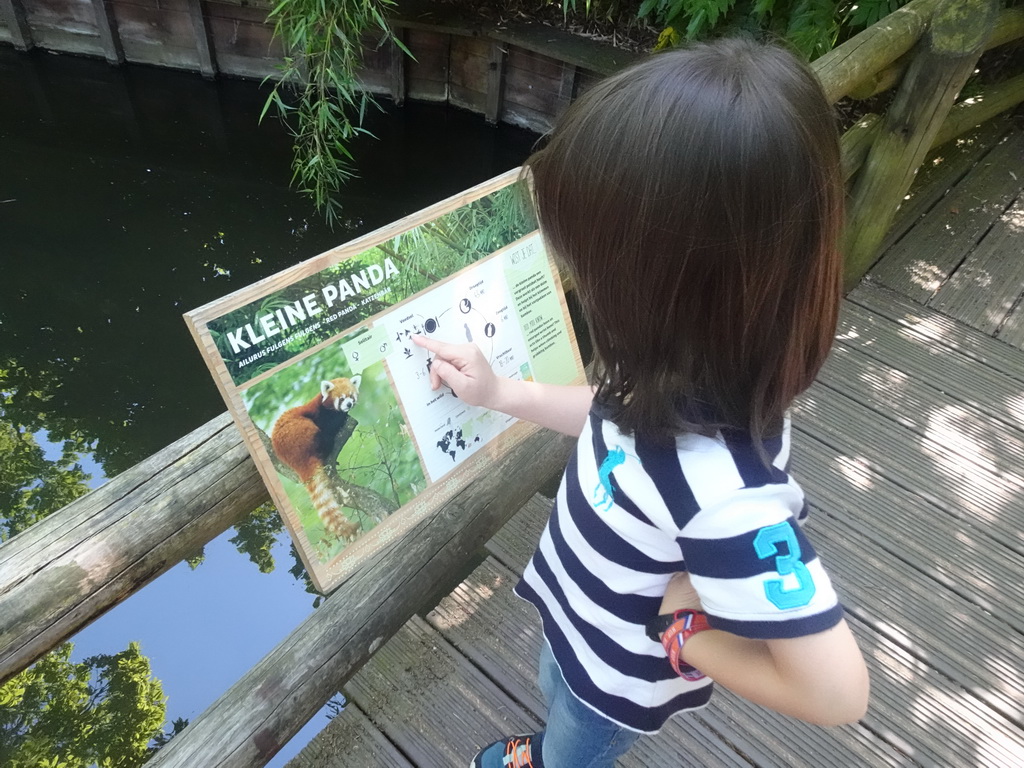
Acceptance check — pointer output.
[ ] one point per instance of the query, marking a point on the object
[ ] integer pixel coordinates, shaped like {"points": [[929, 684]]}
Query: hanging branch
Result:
{"points": [[325, 103]]}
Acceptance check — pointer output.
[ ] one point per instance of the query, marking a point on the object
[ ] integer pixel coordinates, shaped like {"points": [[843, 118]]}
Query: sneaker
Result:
{"points": [[514, 752]]}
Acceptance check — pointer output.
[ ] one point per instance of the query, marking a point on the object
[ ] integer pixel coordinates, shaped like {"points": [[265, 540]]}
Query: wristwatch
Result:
{"points": [[672, 630], [657, 625]]}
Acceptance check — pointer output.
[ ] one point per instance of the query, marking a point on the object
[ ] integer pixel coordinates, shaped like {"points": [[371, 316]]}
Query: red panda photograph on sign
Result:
{"points": [[333, 399]]}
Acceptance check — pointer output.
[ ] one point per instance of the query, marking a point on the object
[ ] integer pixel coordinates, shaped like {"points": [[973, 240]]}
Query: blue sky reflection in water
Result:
{"points": [[128, 196]]}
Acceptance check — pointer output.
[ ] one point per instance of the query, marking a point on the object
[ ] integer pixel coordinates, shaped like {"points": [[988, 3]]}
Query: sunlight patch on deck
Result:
{"points": [[949, 427], [857, 470], [1015, 408], [926, 276]]}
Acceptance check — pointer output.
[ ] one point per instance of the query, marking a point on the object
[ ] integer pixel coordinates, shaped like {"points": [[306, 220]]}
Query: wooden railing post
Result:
{"points": [[845, 67], [944, 60]]}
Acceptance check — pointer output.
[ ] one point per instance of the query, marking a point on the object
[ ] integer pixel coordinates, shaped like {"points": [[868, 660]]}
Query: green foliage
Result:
{"points": [[812, 27], [606, 10], [318, 88], [255, 536], [866, 12], [31, 485], [299, 572], [103, 711]]}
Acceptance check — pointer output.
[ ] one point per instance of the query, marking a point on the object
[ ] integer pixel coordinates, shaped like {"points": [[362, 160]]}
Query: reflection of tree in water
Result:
{"points": [[105, 709]]}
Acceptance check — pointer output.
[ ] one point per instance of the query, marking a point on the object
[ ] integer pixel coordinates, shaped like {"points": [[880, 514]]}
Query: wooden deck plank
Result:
{"points": [[501, 635], [938, 627], [1012, 331], [495, 630], [432, 703], [942, 170], [770, 740], [922, 324], [949, 662], [514, 544], [350, 740], [929, 467], [988, 285], [912, 356], [955, 555], [929, 718], [986, 433], [919, 264]]}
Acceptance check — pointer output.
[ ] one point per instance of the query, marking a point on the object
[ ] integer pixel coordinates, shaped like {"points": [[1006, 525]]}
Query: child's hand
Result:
{"points": [[463, 368], [680, 594]]}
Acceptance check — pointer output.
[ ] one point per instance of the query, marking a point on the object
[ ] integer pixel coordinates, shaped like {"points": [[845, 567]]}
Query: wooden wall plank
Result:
{"points": [[427, 73], [108, 32], [204, 42], [13, 14], [567, 88], [160, 34], [495, 82], [243, 40], [398, 68], [375, 65], [469, 72]]}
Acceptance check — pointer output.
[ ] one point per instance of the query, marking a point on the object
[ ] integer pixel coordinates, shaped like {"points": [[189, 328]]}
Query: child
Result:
{"points": [[695, 199]]}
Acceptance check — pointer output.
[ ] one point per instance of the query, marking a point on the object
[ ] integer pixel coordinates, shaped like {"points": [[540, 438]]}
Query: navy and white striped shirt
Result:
{"points": [[630, 513]]}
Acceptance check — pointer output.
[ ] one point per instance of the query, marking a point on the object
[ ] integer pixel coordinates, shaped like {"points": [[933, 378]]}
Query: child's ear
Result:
{"points": [[356, 381]]}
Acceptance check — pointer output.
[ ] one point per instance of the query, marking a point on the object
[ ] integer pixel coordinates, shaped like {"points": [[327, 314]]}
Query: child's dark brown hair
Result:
{"points": [[696, 199]]}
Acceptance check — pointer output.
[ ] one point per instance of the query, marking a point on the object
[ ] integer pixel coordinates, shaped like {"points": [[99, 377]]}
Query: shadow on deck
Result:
{"points": [[910, 447]]}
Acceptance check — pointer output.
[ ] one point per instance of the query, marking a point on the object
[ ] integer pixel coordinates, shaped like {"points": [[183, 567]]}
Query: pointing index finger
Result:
{"points": [[432, 344]]}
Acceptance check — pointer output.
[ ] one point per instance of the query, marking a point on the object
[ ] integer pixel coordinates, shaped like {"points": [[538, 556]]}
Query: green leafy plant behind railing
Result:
{"points": [[811, 26], [318, 92]]}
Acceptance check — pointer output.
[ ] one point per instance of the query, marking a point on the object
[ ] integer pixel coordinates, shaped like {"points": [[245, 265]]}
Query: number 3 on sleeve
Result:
{"points": [[766, 544]]}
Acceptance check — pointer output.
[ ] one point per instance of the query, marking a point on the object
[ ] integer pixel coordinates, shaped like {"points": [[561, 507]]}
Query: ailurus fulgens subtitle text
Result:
{"points": [[302, 438]]}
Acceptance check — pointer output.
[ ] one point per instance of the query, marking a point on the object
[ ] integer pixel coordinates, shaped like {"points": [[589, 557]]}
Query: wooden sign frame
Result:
{"points": [[333, 399]]}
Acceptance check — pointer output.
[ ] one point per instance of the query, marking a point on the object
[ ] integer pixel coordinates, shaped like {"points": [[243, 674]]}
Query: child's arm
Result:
{"points": [[463, 368], [820, 678]]}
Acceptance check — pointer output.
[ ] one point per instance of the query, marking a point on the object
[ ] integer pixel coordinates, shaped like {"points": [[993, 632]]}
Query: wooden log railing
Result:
{"points": [[79, 562], [945, 59], [67, 570]]}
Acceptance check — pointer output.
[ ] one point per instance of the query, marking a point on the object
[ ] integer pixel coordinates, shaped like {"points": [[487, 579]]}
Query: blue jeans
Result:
{"points": [[576, 736]]}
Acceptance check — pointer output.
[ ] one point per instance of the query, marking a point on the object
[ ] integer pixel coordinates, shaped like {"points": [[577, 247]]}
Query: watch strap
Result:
{"points": [[687, 623]]}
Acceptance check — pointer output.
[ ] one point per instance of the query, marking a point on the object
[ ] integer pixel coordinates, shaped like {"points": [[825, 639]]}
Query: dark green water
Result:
{"points": [[128, 196]]}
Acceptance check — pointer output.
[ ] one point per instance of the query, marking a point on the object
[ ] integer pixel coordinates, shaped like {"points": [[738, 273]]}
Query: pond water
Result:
{"points": [[127, 197]]}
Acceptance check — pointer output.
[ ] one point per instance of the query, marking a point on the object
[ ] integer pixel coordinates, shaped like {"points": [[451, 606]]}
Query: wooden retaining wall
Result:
{"points": [[521, 74]]}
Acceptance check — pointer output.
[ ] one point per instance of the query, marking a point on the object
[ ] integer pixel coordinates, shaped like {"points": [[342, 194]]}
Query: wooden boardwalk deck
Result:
{"points": [[911, 448]]}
